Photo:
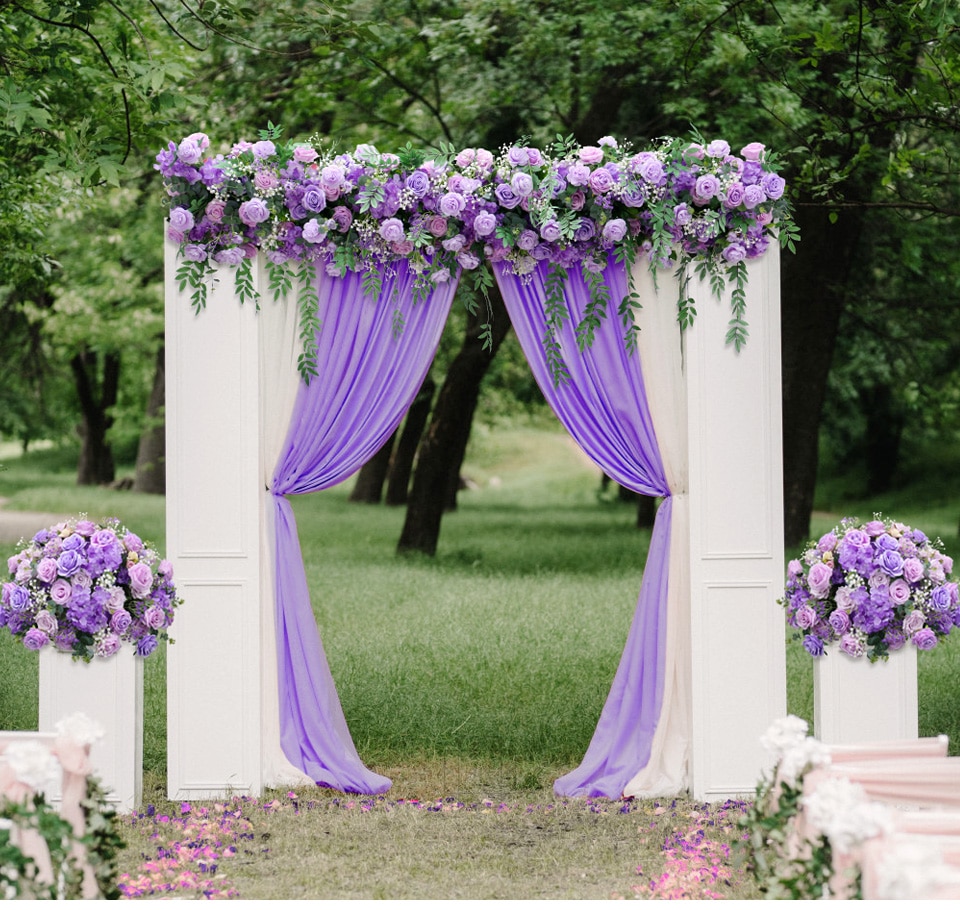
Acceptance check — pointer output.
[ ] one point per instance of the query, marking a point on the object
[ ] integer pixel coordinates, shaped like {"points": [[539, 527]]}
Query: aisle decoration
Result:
{"points": [[871, 588], [87, 589], [683, 203], [46, 853]]}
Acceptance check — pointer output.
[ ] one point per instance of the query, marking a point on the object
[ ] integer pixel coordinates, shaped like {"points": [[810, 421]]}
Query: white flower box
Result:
{"points": [[855, 701], [110, 692]]}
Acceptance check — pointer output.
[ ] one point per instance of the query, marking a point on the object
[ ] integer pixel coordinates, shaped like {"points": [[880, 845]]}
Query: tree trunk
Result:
{"points": [[401, 466], [95, 465], [812, 297], [151, 474], [371, 477], [441, 452], [646, 511], [884, 433]]}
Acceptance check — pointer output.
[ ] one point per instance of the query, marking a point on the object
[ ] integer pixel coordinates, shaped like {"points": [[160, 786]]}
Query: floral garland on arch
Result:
{"points": [[682, 204]]}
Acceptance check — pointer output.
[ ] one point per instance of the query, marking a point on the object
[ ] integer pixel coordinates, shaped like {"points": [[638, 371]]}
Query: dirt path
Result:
{"points": [[17, 525]]}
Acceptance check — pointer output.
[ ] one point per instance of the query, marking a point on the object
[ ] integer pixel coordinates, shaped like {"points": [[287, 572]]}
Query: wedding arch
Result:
{"points": [[353, 260]]}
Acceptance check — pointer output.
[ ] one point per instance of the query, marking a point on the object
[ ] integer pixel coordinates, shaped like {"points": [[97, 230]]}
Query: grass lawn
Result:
{"points": [[473, 680]]}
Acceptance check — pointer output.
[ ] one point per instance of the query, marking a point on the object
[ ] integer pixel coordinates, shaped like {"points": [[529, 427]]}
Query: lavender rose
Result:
{"points": [[522, 184], [69, 562], [181, 219], [852, 645], [550, 231], [452, 204], [47, 570], [615, 230], [35, 639], [912, 570], [120, 621], [484, 224], [707, 187], [61, 591], [839, 622], [46, 622], [253, 212], [141, 579], [913, 622], [925, 639], [392, 230], [899, 591]]}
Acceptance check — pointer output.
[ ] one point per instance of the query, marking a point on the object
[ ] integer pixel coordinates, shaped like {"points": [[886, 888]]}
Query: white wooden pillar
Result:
{"points": [[737, 640], [214, 502]]}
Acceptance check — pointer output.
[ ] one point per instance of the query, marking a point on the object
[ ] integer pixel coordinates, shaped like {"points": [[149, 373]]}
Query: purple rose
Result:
{"points": [[69, 562], [753, 196], [467, 260], [773, 185], [615, 230], [734, 253], [681, 214], [484, 224], [895, 639], [314, 199], [314, 232], [253, 212], [578, 175], [418, 183], [392, 230], [734, 195], [189, 151], [12, 593], [591, 154], [120, 621], [46, 622], [344, 218], [550, 231], [146, 645], [452, 204], [454, 244], [507, 196], [155, 618], [891, 562], [47, 570], [874, 528], [181, 219], [601, 181], [925, 639], [586, 230], [839, 622], [753, 151], [141, 579], [518, 157], [913, 622], [232, 256], [108, 645], [522, 184], [852, 645], [805, 617], [650, 168], [527, 240], [74, 542], [194, 252], [813, 645], [61, 591], [718, 148], [886, 542], [899, 591], [707, 186], [941, 598], [912, 570], [35, 639]]}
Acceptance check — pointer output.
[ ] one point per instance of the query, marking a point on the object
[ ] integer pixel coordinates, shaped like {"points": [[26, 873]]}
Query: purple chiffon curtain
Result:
{"points": [[368, 377], [603, 405]]}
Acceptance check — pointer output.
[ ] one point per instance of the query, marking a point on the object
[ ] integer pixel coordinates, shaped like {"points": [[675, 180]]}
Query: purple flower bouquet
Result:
{"points": [[85, 589], [872, 588]]}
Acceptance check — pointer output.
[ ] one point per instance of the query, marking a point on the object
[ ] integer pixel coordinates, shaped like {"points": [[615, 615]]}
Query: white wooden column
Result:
{"points": [[214, 502], [737, 647]]}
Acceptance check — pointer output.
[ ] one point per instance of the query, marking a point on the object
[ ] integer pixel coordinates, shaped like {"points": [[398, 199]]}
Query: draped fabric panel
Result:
{"points": [[369, 374], [603, 405]]}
